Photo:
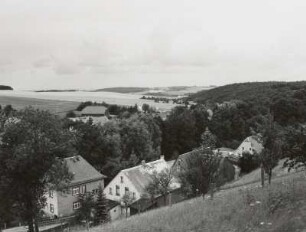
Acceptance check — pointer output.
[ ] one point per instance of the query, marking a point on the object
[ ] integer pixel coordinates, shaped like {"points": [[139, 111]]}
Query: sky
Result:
{"points": [[88, 44]]}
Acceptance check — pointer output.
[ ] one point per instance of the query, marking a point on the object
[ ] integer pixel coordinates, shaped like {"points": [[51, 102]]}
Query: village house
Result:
{"points": [[95, 114], [94, 111], [227, 168], [251, 145], [85, 179], [133, 181]]}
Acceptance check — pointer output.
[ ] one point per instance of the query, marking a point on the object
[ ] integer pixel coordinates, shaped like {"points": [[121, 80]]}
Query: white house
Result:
{"points": [[251, 144], [85, 179], [134, 180]]}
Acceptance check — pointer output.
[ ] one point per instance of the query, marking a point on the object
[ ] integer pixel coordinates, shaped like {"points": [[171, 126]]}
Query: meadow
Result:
{"points": [[54, 106], [82, 96], [280, 207]]}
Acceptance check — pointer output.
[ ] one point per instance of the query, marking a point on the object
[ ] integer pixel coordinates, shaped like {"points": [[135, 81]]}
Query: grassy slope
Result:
{"points": [[247, 91], [278, 208], [54, 106]]}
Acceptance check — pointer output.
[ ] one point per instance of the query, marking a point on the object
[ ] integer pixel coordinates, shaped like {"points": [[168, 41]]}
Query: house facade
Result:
{"points": [[133, 181], [251, 145], [85, 179]]}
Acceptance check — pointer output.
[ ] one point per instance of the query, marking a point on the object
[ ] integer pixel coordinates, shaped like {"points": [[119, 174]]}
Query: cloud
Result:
{"points": [[202, 40]]}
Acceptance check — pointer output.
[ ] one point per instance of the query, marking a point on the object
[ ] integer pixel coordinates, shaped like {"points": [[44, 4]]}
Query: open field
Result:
{"points": [[81, 96], [54, 106]]}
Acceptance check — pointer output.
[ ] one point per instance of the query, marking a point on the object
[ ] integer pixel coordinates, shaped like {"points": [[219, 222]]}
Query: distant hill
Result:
{"points": [[5, 87], [123, 89], [252, 91], [56, 90]]}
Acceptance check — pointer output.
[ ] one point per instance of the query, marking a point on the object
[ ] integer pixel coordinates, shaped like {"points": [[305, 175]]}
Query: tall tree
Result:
{"points": [[86, 212], [296, 148], [101, 208], [31, 155], [160, 184], [127, 200], [199, 172], [272, 142]]}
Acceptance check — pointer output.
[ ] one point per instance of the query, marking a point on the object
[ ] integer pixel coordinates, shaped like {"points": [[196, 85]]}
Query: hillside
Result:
{"points": [[5, 87], [279, 207], [251, 91], [123, 89]]}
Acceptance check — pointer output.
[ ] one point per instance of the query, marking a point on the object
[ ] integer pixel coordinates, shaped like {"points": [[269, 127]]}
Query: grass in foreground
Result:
{"points": [[280, 207]]}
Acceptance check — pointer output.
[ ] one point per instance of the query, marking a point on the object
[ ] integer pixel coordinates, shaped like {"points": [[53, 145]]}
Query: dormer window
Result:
{"points": [[110, 191], [121, 179]]}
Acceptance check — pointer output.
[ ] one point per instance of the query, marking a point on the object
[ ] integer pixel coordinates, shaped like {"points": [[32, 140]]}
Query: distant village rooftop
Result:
{"points": [[94, 111]]}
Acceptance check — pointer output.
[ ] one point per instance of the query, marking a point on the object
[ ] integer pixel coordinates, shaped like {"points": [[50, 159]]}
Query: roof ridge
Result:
{"points": [[140, 165]]}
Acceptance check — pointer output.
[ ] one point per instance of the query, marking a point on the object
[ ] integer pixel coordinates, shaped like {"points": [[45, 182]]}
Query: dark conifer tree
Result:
{"points": [[102, 214]]}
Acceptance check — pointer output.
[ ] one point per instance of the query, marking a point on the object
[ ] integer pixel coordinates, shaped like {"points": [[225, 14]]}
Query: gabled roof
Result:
{"points": [[94, 110], [95, 120], [111, 204], [82, 171], [140, 175]]}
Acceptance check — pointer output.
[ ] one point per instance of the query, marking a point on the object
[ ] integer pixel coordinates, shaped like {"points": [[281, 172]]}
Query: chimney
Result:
{"points": [[162, 157], [143, 162]]}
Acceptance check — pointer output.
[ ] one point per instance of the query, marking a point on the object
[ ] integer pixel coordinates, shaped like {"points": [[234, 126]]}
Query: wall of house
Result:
{"points": [[51, 200], [249, 145], [66, 200], [117, 181], [116, 213]]}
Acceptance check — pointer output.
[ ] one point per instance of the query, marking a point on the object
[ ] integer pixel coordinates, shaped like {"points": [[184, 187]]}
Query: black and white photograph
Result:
{"points": [[152, 116]]}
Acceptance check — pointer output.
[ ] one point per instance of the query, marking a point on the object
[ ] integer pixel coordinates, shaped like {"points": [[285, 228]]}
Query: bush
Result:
{"points": [[248, 162]]}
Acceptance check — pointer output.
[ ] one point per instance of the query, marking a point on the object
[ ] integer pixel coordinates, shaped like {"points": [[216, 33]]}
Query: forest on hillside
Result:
{"points": [[5, 87]]}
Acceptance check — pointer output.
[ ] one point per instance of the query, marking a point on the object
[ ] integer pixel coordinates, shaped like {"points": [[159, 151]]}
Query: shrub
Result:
{"points": [[248, 162]]}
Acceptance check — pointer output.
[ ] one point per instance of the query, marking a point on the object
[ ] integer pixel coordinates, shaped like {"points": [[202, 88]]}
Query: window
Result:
{"points": [[51, 194], [75, 191], [95, 191], [76, 205], [110, 191], [134, 195], [83, 189], [51, 208], [250, 149], [117, 190], [121, 179], [242, 148], [126, 189]]}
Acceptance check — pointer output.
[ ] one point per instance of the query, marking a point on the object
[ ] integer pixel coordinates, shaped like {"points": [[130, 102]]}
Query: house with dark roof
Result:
{"points": [[133, 181], [227, 168], [94, 111], [86, 179]]}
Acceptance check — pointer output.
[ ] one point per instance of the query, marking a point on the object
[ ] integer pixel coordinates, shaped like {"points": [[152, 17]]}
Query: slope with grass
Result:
{"points": [[276, 208]]}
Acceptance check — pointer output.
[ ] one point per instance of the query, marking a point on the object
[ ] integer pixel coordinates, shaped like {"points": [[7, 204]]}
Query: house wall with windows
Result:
{"points": [[249, 145], [68, 201], [51, 202], [116, 212], [117, 188]]}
